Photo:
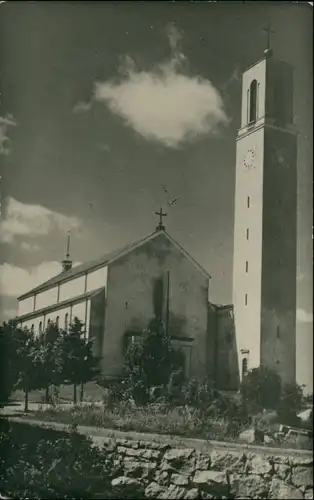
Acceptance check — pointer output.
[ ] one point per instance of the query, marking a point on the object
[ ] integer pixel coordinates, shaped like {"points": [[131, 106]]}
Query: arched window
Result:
{"points": [[66, 321], [244, 367], [40, 327], [57, 321], [253, 102], [48, 322], [32, 328]]}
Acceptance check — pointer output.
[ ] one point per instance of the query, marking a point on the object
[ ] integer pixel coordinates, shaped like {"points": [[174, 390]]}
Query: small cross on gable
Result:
{"points": [[160, 226], [268, 32]]}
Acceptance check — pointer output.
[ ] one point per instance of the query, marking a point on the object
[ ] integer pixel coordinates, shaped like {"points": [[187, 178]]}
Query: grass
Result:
{"points": [[176, 421], [92, 393], [181, 421]]}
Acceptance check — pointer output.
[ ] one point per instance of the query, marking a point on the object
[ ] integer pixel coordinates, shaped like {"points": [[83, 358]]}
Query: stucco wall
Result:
{"points": [[278, 348], [80, 310], [248, 246], [72, 288], [227, 358], [130, 300], [46, 298], [26, 306]]}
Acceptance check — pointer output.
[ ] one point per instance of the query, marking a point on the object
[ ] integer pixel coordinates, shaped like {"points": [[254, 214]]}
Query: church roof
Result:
{"points": [[106, 260]]}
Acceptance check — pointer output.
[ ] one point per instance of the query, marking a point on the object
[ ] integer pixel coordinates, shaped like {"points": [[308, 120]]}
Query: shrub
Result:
{"points": [[261, 389], [41, 463], [149, 361]]}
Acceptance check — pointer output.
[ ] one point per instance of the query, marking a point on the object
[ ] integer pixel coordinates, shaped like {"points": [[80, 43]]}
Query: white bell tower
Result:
{"points": [[264, 262]]}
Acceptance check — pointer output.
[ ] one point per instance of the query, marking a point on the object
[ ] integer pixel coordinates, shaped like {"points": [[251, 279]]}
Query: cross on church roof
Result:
{"points": [[160, 226], [269, 32]]}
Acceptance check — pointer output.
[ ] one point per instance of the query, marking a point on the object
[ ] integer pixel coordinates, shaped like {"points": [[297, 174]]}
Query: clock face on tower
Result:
{"points": [[249, 159]]}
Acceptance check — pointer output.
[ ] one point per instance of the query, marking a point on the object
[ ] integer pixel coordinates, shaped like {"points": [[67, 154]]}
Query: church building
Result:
{"points": [[119, 294], [116, 296]]}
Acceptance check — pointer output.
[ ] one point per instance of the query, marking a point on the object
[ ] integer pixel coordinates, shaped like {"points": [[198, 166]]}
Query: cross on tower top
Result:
{"points": [[160, 226], [269, 32]]}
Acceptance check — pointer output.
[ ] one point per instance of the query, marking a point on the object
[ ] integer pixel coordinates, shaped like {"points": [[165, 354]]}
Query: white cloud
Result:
{"points": [[5, 123], [8, 314], [30, 247], [82, 107], [164, 104], [304, 316], [21, 219], [15, 281]]}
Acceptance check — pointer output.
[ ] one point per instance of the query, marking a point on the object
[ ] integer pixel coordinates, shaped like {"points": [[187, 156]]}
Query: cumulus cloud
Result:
{"points": [[82, 107], [21, 219], [15, 281], [30, 247], [304, 316], [5, 123], [164, 104]]}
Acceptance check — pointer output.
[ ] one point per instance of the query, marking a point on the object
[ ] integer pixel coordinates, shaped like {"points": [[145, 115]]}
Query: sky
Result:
{"points": [[104, 103]]}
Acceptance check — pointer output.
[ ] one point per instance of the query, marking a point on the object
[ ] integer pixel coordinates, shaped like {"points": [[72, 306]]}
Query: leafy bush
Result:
{"points": [[149, 361], [261, 389]]}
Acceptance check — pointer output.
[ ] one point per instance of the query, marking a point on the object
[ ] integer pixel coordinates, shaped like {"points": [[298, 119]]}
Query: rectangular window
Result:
{"points": [[248, 202], [245, 299], [247, 267], [247, 233]]}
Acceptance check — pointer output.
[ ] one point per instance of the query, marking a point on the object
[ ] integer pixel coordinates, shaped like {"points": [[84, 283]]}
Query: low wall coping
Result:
{"points": [[172, 440]]}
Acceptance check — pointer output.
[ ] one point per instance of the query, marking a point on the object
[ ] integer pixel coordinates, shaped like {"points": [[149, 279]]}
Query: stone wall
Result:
{"points": [[159, 471], [161, 467]]}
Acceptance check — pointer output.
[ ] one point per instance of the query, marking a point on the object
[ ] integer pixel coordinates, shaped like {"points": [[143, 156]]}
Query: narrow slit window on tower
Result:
{"points": [[244, 367], [278, 332], [248, 202], [253, 101], [66, 321], [247, 266], [245, 299], [247, 233]]}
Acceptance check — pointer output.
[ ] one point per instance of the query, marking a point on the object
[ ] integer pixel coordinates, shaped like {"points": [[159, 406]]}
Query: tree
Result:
{"points": [[150, 360], [27, 366], [48, 358], [290, 403], [8, 375], [261, 389], [79, 365]]}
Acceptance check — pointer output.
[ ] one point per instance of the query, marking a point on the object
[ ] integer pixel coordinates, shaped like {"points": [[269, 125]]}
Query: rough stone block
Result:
{"points": [[179, 479], [308, 494], [202, 462], [281, 490], [192, 494], [251, 486], [162, 477], [213, 482], [258, 465], [173, 492], [179, 460], [154, 490], [139, 470], [302, 476], [282, 471], [127, 486], [178, 454], [226, 460]]}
